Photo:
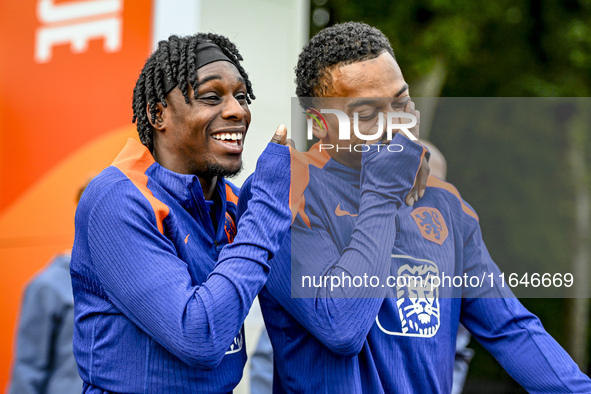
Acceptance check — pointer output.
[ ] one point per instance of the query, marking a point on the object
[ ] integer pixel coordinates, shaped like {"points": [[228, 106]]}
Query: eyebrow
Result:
{"points": [[214, 77], [361, 102], [404, 89], [201, 81]]}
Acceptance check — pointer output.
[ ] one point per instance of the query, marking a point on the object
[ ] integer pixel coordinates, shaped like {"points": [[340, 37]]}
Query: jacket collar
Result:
{"points": [[321, 159], [347, 174], [184, 188]]}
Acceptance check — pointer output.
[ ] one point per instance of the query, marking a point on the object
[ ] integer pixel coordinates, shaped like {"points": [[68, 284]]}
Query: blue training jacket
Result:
{"points": [[398, 339], [160, 295]]}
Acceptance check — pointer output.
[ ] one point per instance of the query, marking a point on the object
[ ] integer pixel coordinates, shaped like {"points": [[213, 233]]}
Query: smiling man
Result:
{"points": [[337, 323], [162, 276]]}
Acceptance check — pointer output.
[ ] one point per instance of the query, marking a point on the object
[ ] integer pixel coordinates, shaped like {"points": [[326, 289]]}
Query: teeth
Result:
{"points": [[228, 136]]}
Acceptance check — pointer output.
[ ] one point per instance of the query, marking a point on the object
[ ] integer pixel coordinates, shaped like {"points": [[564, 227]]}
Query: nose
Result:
{"points": [[234, 110]]}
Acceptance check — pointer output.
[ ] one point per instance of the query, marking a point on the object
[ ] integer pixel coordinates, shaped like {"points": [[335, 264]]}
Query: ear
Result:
{"points": [[159, 122], [319, 128]]}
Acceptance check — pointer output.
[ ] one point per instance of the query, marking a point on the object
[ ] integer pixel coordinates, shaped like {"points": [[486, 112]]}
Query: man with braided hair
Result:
{"points": [[177, 59], [354, 335], [162, 276]]}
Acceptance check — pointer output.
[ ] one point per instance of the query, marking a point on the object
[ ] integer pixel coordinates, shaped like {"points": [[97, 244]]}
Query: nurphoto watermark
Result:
{"points": [[352, 124]]}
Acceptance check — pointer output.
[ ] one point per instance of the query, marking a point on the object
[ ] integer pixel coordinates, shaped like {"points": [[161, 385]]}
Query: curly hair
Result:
{"points": [[175, 59], [340, 44]]}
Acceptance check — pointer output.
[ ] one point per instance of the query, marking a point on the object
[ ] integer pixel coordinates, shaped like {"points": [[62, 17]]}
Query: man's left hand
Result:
{"points": [[418, 189]]}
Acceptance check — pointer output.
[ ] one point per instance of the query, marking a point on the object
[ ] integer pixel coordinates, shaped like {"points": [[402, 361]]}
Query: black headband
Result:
{"points": [[207, 52]]}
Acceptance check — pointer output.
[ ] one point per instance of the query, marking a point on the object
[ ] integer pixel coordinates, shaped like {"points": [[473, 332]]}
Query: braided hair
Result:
{"points": [[340, 44], [175, 59]]}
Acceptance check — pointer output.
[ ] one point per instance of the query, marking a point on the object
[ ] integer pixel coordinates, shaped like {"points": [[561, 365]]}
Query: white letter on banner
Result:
{"points": [[48, 12], [78, 35]]}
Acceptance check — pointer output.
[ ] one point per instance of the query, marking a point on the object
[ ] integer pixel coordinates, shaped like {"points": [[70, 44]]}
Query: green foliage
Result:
{"points": [[491, 48], [506, 157]]}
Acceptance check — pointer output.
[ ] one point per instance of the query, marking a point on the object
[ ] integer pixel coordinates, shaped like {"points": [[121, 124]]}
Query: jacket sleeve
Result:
{"points": [[39, 318], [143, 277], [340, 316], [513, 335]]}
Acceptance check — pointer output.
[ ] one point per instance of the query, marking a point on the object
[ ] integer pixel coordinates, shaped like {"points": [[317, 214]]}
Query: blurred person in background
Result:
{"points": [[437, 162], [44, 360], [261, 366], [162, 272]]}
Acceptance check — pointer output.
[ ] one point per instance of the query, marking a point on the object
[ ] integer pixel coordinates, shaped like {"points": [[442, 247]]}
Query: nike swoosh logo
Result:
{"points": [[339, 212], [187, 238]]}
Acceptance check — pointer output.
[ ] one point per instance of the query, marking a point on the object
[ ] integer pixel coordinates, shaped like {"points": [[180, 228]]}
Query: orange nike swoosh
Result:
{"points": [[339, 212], [187, 238]]}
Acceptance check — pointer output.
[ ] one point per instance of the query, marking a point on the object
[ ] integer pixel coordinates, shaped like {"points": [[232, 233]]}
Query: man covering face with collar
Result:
{"points": [[163, 275]]}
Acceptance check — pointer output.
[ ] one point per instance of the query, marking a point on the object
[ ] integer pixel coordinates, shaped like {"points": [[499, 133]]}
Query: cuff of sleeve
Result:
{"points": [[399, 145], [277, 149]]}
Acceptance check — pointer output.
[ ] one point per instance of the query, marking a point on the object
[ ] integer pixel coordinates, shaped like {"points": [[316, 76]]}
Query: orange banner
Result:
{"points": [[67, 73]]}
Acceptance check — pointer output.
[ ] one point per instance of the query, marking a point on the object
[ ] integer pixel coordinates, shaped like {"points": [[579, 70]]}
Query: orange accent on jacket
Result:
{"points": [[133, 161], [436, 182]]}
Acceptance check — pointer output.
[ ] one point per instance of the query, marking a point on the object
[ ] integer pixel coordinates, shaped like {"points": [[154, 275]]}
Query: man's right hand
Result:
{"points": [[280, 136]]}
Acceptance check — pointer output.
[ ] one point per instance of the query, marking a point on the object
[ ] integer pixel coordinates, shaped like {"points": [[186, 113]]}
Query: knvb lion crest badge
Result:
{"points": [[431, 224], [416, 311], [238, 342]]}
